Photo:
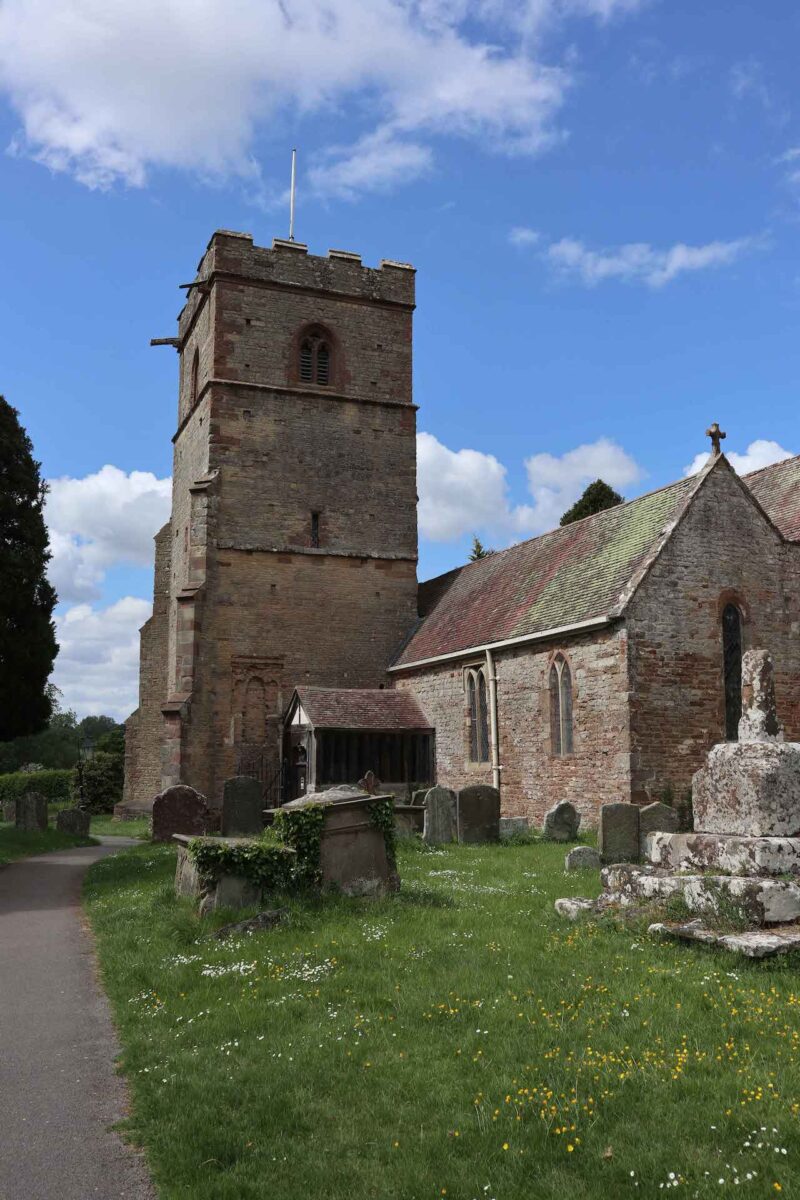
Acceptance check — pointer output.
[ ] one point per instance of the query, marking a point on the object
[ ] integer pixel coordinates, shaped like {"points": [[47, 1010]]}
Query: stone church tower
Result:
{"points": [[290, 554]]}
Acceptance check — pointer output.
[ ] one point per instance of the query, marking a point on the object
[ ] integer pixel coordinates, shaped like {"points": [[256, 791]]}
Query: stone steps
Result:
{"points": [[731, 853], [766, 901]]}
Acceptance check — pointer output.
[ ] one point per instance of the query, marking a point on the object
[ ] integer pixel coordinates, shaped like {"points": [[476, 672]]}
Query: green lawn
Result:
{"points": [[16, 844], [104, 825], [456, 1040]]}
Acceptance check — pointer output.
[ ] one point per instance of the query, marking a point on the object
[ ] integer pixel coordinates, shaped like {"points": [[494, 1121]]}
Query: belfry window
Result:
{"points": [[732, 669], [560, 707], [477, 706], [314, 364]]}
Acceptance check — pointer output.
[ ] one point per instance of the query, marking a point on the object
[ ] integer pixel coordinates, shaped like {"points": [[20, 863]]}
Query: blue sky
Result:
{"points": [[601, 198]]}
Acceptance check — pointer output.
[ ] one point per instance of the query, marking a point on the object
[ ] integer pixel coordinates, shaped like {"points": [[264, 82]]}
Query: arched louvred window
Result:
{"points": [[195, 375], [560, 707], [323, 363], [315, 358], [478, 707], [307, 360], [732, 666]]}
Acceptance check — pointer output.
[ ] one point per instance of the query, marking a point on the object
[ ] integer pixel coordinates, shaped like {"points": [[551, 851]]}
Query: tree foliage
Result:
{"points": [[28, 644], [478, 549], [597, 496]]}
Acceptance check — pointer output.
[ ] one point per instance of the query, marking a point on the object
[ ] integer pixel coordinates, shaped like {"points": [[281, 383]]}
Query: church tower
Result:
{"points": [[290, 555]]}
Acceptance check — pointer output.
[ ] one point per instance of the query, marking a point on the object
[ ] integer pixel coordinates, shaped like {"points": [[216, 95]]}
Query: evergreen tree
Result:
{"points": [[478, 549], [597, 496], [28, 644]]}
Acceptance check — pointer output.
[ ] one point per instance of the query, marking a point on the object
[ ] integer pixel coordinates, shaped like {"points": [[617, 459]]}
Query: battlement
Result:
{"points": [[288, 265]]}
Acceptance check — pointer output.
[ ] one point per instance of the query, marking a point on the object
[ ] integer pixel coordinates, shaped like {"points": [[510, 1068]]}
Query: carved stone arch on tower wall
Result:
{"points": [[257, 702], [316, 335]]}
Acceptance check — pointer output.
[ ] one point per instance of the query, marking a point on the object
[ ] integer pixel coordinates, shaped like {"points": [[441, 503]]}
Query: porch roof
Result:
{"points": [[373, 709]]}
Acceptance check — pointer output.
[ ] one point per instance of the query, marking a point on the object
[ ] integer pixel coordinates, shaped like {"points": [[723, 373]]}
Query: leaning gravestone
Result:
{"points": [[10, 810], [440, 817], [618, 833], [561, 823], [478, 814], [180, 809], [582, 858], [74, 821], [242, 805], [32, 813], [655, 818]]}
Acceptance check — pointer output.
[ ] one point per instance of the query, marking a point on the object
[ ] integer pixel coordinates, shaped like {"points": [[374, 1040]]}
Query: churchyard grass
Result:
{"points": [[104, 825], [457, 1040], [16, 843]]}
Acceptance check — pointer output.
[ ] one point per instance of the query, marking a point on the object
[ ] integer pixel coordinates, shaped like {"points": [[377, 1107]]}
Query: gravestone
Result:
{"points": [[74, 821], [10, 810], [513, 826], [440, 817], [618, 833], [418, 797], [242, 804], [32, 813], [370, 784], [655, 818], [180, 809], [561, 823], [478, 814], [582, 858]]}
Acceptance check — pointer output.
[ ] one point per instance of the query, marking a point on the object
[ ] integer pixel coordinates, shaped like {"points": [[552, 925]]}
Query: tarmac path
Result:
{"points": [[59, 1092]]}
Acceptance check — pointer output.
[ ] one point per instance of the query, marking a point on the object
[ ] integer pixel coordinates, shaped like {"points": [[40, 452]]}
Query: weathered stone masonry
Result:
{"points": [[254, 607]]}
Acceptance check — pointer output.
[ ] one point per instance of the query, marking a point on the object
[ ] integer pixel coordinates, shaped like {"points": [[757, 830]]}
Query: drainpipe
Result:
{"points": [[495, 746]]}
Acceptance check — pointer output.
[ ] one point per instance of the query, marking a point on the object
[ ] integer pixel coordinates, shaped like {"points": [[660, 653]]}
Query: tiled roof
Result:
{"points": [[777, 490], [361, 708], [576, 573]]}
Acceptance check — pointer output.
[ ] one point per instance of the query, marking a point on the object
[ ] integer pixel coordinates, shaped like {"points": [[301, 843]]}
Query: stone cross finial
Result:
{"points": [[759, 721], [716, 435]]}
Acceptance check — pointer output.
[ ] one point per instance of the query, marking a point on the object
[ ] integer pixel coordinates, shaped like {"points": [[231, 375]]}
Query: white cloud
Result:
{"points": [[791, 160], [97, 668], [639, 262], [459, 490], [102, 520], [107, 91], [520, 235], [466, 491], [555, 483], [374, 164], [760, 453]]}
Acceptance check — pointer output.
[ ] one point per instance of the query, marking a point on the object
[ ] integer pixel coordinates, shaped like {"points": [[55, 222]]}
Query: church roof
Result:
{"points": [[361, 708], [575, 574], [777, 490]]}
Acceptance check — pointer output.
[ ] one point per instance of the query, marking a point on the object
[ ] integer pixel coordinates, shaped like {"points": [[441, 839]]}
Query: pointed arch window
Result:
{"points": [[315, 358], [732, 669], [560, 707], [478, 709]]}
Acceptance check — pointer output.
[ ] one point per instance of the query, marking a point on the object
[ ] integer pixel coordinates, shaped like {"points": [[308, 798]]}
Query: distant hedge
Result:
{"points": [[56, 786]]}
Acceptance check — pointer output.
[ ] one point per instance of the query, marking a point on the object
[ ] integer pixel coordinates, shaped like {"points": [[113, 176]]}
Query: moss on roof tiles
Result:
{"points": [[777, 490], [574, 573]]}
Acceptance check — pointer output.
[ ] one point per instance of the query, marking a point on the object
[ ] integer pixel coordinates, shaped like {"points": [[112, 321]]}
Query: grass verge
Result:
{"points": [[105, 825], [457, 1040], [14, 843]]}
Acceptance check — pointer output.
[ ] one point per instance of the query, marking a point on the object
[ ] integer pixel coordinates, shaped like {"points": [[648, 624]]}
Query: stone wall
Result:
{"points": [[143, 729], [723, 551], [532, 778]]}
